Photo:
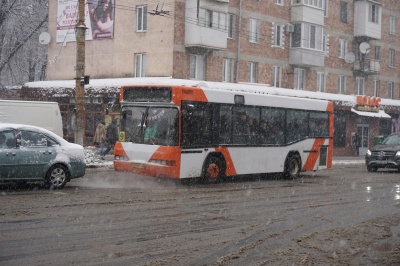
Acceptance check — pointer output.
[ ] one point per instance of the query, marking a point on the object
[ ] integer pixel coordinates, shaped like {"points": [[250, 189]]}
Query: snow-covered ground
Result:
{"points": [[93, 160]]}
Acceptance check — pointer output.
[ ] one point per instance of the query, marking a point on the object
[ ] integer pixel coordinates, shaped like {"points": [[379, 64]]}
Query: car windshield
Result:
{"points": [[392, 140], [150, 125]]}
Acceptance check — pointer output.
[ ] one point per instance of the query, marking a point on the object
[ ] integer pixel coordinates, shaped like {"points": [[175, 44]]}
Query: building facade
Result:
{"points": [[322, 46]]}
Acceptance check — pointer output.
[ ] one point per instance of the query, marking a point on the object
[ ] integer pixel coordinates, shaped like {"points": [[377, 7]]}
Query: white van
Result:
{"points": [[42, 114]]}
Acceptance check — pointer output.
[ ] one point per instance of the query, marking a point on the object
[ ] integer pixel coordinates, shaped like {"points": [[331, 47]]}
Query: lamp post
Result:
{"points": [[80, 30]]}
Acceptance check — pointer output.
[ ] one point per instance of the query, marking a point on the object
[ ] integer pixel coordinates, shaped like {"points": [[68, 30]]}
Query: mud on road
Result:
{"points": [[341, 216]]}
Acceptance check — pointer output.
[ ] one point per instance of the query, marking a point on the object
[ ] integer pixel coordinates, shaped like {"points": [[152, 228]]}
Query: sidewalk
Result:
{"points": [[348, 160]]}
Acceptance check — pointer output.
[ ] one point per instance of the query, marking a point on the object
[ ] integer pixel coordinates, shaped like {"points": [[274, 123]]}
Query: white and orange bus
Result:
{"points": [[211, 130]]}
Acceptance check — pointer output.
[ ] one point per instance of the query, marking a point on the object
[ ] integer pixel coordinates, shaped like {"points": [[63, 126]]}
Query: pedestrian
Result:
{"points": [[112, 137], [100, 137]]}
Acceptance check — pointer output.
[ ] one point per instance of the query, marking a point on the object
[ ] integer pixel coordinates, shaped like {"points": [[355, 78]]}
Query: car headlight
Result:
{"points": [[398, 153], [368, 153]]}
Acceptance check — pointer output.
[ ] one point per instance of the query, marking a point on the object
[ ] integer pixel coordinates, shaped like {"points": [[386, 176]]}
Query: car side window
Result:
{"points": [[32, 139], [7, 139]]}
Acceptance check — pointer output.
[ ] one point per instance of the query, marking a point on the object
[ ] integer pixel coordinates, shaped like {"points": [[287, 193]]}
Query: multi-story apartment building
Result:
{"points": [[334, 48]]}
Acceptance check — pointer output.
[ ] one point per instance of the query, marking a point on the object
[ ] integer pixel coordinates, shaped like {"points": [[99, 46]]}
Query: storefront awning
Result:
{"points": [[380, 114]]}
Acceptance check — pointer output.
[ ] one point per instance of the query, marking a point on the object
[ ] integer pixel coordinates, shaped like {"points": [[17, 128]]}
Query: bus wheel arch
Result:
{"points": [[292, 165], [214, 168]]}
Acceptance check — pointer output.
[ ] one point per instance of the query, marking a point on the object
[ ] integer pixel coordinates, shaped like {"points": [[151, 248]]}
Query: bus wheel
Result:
{"points": [[213, 171], [292, 167]]}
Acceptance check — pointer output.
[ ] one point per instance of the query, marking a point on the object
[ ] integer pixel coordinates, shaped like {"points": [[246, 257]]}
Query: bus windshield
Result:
{"points": [[150, 125]]}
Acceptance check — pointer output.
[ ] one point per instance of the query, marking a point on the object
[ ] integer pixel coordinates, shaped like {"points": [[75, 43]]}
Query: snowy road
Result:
{"points": [[344, 215]]}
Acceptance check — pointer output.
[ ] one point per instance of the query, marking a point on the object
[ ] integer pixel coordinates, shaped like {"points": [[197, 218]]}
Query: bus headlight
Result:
{"points": [[163, 162], [121, 158]]}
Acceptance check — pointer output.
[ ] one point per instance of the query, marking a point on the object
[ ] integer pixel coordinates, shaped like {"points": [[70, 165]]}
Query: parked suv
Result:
{"points": [[384, 155], [29, 153]]}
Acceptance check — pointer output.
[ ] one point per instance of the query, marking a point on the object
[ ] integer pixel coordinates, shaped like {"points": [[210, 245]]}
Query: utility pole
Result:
{"points": [[80, 30]]}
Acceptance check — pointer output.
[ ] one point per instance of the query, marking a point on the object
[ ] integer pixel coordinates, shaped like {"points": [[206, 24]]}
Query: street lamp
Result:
{"points": [[80, 31]]}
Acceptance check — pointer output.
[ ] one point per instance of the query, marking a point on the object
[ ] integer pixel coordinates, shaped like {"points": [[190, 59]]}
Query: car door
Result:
{"points": [[35, 155], [8, 156]]}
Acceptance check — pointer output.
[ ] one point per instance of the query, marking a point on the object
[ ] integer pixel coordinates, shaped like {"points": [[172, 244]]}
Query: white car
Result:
{"points": [[29, 153]]}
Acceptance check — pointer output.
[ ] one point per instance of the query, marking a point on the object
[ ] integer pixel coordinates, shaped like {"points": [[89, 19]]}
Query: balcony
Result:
{"points": [[206, 29], [302, 57], [367, 19], [367, 66], [204, 38], [305, 13]]}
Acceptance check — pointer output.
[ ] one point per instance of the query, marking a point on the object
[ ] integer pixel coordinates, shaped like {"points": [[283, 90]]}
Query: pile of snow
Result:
{"points": [[93, 160]]}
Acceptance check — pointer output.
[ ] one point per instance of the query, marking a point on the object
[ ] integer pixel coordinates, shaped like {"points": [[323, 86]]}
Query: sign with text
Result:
{"points": [[367, 103], [99, 20]]}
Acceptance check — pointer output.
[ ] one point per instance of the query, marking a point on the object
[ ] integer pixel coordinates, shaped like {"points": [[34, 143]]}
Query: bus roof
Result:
{"points": [[217, 92]]}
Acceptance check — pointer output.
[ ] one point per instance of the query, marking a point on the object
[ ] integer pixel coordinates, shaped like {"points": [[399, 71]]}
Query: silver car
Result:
{"points": [[29, 153]]}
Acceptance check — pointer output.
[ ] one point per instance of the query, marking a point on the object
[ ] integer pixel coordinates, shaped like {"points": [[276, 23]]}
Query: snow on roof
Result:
{"points": [[114, 84]]}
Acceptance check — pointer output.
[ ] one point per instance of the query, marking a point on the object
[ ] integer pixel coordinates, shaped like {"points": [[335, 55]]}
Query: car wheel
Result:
{"points": [[213, 170], [57, 177], [372, 168], [292, 167]]}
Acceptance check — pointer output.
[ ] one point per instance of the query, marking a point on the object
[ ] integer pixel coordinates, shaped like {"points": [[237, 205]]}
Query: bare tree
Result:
{"points": [[22, 58]]}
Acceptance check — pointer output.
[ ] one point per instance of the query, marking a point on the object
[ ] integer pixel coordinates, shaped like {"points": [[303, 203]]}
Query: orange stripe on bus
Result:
{"points": [[230, 167], [188, 94], [119, 150], [329, 108], [313, 156], [171, 154], [330, 146]]}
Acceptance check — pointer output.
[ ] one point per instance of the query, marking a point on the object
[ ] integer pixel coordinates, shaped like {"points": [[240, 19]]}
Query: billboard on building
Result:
{"points": [[99, 20]]}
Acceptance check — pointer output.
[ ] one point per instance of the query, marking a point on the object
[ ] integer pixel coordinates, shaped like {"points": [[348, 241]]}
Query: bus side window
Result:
{"points": [[296, 125], [319, 124], [275, 126], [225, 124]]}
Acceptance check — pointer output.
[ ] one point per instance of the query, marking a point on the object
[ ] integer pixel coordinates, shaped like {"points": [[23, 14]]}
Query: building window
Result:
{"points": [[392, 25], [391, 57], [321, 81], [299, 78], [276, 76], [141, 18], [390, 90], [325, 8], [373, 14], [343, 12], [227, 70], [360, 85], [342, 84], [253, 72], [231, 23], [314, 3], [377, 53], [376, 88], [140, 64], [308, 36], [325, 44], [197, 67], [342, 48], [296, 36], [219, 20], [278, 32], [279, 2], [212, 19], [254, 30]]}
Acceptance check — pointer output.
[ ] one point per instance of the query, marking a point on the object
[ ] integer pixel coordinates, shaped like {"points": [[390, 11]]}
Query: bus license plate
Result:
{"points": [[137, 165]]}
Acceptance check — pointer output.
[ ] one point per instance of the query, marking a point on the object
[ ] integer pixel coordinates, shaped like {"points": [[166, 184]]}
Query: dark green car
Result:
{"points": [[30, 154]]}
